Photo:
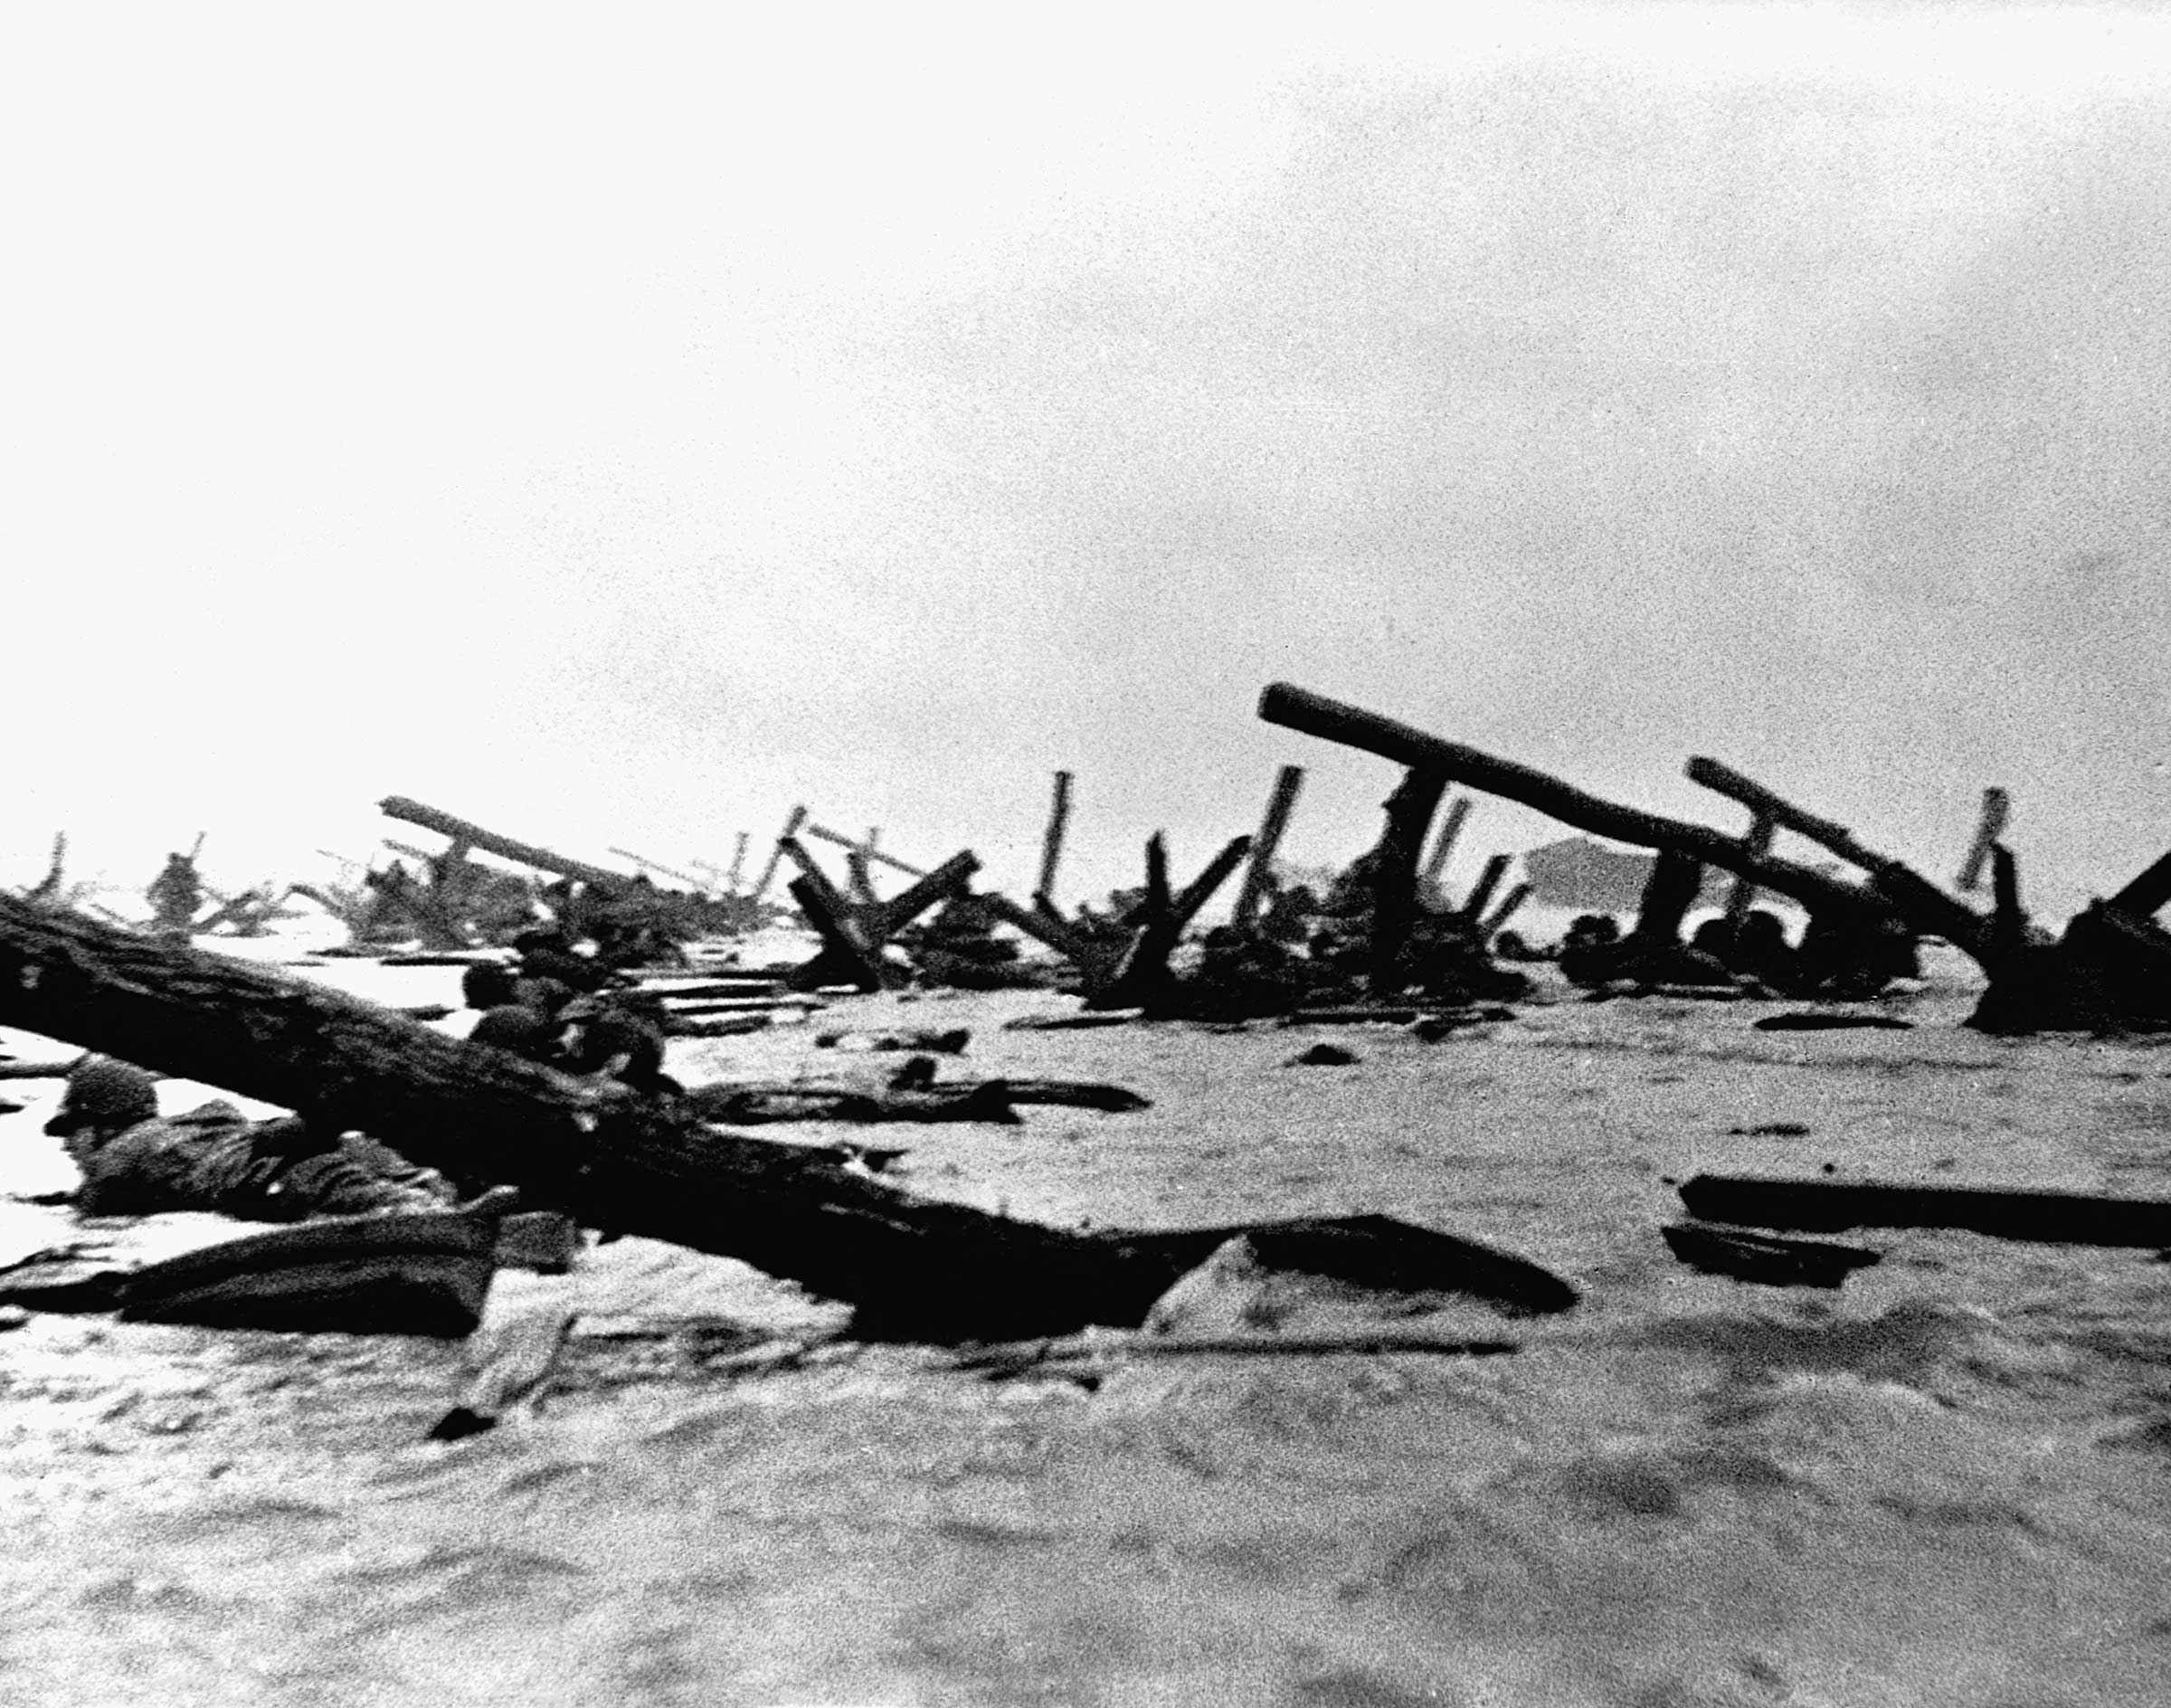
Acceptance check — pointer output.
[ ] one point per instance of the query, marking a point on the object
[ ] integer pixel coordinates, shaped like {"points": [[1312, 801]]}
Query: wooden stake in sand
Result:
{"points": [[1997, 809], [1443, 847], [797, 817]]}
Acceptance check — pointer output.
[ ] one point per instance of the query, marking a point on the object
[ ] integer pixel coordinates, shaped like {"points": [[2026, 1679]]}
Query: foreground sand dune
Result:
{"points": [[1950, 1483]]}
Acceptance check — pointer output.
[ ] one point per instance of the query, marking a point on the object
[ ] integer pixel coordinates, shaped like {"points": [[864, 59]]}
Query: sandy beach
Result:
{"points": [[1949, 1482]]}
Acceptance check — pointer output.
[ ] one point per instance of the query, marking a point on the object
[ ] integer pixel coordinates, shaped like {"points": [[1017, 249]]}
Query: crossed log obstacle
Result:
{"points": [[1132, 972], [910, 1268], [852, 932]]}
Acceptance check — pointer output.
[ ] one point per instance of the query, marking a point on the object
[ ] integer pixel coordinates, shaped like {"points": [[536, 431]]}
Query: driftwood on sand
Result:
{"points": [[910, 1268]]}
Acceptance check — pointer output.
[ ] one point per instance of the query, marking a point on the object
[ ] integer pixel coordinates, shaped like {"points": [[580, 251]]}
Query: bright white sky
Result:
{"points": [[618, 429]]}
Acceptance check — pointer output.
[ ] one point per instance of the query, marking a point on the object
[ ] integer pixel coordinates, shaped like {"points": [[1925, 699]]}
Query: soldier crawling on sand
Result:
{"points": [[137, 1162]]}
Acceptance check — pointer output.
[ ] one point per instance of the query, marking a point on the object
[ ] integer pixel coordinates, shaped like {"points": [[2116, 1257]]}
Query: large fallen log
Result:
{"points": [[1315, 715], [912, 1269], [462, 832], [1822, 1206], [1910, 894]]}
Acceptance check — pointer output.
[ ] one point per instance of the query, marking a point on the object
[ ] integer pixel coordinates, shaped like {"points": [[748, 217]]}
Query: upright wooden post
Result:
{"points": [[791, 830], [738, 864], [1280, 804], [1676, 879], [1997, 807], [1742, 897], [1051, 843], [1443, 848], [1410, 811]]}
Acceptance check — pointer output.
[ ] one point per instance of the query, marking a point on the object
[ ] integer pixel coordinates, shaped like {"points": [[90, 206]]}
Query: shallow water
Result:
{"points": [[1950, 1483]]}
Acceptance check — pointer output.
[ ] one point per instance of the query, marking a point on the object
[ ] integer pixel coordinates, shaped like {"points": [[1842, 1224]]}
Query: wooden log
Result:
{"points": [[1675, 881], [1051, 843], [1926, 906], [2008, 922], [2145, 894], [1410, 810], [1257, 877], [1331, 720], [1497, 920], [797, 817], [1997, 810], [1199, 891], [910, 1268], [1473, 904], [845, 957], [657, 866], [885, 919], [1742, 897], [1443, 847], [1043, 927], [526, 853], [1824, 1206], [866, 851], [1140, 976]]}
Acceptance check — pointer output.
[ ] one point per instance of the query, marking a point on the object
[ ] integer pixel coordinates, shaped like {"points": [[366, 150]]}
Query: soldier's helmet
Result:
{"points": [[104, 1093]]}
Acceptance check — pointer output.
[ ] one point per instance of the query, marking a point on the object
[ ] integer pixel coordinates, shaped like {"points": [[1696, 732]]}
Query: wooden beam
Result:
{"points": [[1280, 804], [797, 817], [866, 849], [1051, 842], [1410, 810], [1997, 809], [1443, 847], [1742, 897], [526, 853]]}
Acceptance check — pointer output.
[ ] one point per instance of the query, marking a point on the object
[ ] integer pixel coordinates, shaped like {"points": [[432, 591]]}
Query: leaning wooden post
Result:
{"points": [[1051, 843], [1280, 804], [1410, 810], [1997, 807], [1497, 920], [460, 831], [791, 830], [738, 864], [1488, 880], [1443, 847], [2144, 897], [1920, 905], [1139, 977]]}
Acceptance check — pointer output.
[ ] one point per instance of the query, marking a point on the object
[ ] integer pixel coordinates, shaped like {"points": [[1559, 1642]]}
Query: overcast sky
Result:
{"points": [[619, 431]]}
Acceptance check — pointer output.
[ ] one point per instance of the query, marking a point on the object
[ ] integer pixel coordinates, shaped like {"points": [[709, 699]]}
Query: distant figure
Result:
{"points": [[176, 895], [135, 1162]]}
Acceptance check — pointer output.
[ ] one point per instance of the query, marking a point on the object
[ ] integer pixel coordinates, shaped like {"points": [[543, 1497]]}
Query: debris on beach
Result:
{"points": [[1765, 1260]]}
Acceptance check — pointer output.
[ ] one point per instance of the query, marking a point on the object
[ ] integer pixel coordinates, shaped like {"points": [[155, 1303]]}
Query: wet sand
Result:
{"points": [[1949, 1482]]}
